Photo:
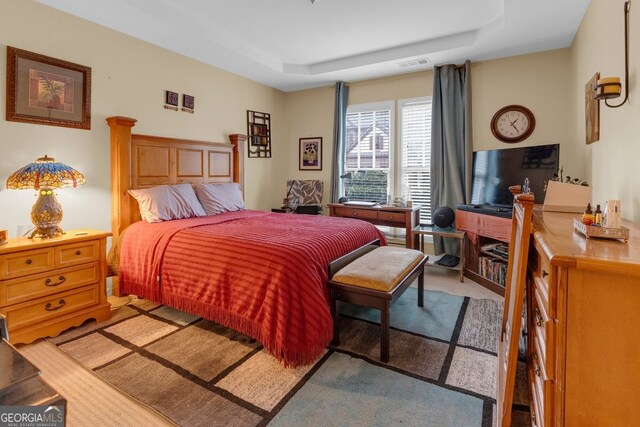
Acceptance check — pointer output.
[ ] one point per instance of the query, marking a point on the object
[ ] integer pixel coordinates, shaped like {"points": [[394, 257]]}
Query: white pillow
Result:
{"points": [[219, 198], [167, 202]]}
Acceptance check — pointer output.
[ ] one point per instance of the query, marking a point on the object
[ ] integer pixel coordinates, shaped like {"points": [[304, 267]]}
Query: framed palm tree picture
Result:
{"points": [[47, 91]]}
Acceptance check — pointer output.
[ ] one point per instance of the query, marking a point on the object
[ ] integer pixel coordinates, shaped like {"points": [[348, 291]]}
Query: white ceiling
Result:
{"points": [[294, 44]]}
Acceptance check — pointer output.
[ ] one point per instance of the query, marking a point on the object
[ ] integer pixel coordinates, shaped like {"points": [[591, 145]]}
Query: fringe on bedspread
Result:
{"points": [[290, 358]]}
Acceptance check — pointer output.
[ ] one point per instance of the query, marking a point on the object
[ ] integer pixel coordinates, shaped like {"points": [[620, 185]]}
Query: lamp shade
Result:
{"points": [[607, 88], [45, 175], [45, 172]]}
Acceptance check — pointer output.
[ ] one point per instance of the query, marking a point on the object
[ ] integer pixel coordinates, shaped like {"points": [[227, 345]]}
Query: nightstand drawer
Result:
{"points": [[19, 264], [357, 213], [392, 216], [41, 285], [78, 253], [40, 310]]}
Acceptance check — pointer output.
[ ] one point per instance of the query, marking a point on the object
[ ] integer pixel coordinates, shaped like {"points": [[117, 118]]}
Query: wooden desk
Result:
{"points": [[390, 216]]}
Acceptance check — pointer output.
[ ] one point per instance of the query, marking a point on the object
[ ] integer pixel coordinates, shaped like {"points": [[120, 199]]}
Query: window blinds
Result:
{"points": [[416, 155]]}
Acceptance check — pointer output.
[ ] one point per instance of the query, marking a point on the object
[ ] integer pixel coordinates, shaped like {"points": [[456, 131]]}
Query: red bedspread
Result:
{"points": [[263, 274]]}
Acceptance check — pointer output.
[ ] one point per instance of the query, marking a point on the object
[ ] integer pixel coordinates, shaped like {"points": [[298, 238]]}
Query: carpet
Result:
{"points": [[441, 371]]}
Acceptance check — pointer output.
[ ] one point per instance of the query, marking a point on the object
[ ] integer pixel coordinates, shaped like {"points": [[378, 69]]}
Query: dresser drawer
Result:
{"points": [[544, 332], [392, 216], [77, 253], [18, 264], [357, 213], [43, 309], [41, 285], [541, 393], [537, 417], [546, 280]]}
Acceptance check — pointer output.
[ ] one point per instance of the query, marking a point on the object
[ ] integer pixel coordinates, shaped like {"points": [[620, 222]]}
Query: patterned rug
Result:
{"points": [[441, 372]]}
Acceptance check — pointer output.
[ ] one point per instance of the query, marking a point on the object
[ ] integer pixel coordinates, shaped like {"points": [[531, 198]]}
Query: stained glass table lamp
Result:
{"points": [[45, 175]]}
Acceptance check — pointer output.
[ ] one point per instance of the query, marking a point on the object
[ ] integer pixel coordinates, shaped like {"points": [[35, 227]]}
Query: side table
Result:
{"points": [[433, 230]]}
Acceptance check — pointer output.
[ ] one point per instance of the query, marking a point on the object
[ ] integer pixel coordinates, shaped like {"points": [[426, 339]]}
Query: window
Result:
{"points": [[415, 141], [371, 173], [368, 151]]}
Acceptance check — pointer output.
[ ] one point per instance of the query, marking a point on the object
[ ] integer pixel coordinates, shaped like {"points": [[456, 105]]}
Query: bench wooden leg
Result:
{"points": [[421, 288], [384, 333], [335, 314]]}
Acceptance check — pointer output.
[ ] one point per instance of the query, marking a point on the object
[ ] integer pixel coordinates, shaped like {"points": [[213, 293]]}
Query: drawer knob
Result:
{"points": [[355, 214], [537, 370], [533, 417], [60, 281], [78, 252], [61, 304], [29, 261], [544, 273], [538, 317]]}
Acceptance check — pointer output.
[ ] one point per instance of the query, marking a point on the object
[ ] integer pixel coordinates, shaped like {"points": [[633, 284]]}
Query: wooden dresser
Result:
{"points": [[583, 319], [49, 285]]}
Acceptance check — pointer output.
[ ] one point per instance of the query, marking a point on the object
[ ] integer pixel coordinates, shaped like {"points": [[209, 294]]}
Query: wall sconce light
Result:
{"points": [[610, 87]]}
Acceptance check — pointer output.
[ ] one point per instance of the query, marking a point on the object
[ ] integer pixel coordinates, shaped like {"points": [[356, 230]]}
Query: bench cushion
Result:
{"points": [[381, 269]]}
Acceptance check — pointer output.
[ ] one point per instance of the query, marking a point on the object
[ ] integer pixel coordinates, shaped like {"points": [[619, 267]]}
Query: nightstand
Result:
{"points": [[50, 285]]}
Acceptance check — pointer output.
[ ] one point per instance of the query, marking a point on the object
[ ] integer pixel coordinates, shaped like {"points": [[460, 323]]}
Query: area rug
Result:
{"points": [[441, 371]]}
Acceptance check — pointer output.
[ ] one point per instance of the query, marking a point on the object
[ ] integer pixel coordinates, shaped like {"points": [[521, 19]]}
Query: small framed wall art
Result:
{"points": [[171, 100], [188, 103], [47, 91], [310, 154], [259, 131]]}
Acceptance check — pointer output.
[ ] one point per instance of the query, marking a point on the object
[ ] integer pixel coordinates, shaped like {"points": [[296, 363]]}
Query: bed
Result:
{"points": [[263, 274]]}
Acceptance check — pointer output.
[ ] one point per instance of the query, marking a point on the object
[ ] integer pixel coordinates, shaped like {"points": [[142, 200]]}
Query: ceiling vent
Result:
{"points": [[414, 63]]}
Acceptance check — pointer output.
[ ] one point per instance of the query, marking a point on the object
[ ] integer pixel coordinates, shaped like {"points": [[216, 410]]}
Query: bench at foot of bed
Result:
{"points": [[375, 277]]}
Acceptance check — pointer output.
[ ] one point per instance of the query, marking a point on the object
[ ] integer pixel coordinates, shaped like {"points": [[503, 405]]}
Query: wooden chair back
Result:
{"points": [[508, 343]]}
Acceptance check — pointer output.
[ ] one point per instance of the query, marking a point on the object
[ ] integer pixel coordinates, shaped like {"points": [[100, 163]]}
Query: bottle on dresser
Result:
{"points": [[597, 216], [587, 217]]}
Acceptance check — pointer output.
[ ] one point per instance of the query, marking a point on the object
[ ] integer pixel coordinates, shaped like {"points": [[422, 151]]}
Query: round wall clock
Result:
{"points": [[513, 123]]}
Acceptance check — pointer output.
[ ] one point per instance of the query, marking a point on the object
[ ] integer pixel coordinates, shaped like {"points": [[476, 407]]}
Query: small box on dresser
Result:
{"points": [[50, 285]]}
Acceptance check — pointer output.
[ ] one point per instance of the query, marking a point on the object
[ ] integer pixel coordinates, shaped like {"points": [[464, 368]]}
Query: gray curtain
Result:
{"points": [[339, 131], [451, 148]]}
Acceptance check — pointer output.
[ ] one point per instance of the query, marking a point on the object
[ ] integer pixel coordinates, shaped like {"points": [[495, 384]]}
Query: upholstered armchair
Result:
{"points": [[304, 196]]}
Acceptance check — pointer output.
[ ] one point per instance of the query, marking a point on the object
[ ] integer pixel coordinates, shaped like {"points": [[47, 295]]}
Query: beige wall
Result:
{"points": [[129, 79], [515, 80], [611, 162]]}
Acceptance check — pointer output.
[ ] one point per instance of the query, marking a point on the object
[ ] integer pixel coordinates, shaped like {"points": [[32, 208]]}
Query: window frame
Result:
{"points": [[372, 107], [401, 104]]}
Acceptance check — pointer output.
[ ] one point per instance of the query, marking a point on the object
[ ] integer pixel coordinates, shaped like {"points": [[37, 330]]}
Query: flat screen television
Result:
{"points": [[494, 171]]}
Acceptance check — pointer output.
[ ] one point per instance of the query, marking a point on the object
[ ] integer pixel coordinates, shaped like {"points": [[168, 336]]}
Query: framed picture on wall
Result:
{"points": [[591, 110], [47, 91], [310, 154]]}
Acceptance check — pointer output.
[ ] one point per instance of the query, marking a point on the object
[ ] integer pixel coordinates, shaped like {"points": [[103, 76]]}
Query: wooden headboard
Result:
{"points": [[139, 161]]}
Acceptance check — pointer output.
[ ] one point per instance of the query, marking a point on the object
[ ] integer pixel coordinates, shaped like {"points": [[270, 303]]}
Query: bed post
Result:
{"points": [[238, 141], [120, 178]]}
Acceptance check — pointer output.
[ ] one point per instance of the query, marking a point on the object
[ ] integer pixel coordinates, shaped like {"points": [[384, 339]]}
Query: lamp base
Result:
{"points": [[46, 233], [46, 214]]}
